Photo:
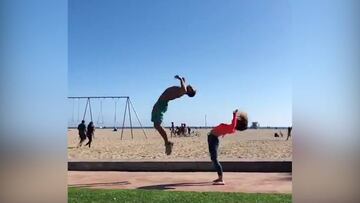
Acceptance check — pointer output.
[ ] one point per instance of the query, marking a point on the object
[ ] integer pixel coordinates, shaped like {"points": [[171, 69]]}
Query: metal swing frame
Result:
{"points": [[128, 105]]}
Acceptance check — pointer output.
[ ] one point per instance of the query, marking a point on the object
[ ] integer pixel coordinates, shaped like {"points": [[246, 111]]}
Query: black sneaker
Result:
{"points": [[168, 148]]}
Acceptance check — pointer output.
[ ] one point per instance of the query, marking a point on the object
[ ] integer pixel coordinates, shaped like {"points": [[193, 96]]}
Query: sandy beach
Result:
{"points": [[251, 144]]}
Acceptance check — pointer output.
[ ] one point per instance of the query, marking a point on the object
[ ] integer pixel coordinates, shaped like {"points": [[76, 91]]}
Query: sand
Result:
{"points": [[251, 144]]}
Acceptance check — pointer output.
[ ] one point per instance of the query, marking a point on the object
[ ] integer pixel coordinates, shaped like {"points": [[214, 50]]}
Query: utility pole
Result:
{"points": [[205, 121]]}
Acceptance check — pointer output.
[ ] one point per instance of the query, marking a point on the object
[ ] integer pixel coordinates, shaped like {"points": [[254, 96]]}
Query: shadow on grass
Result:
{"points": [[100, 184], [173, 186]]}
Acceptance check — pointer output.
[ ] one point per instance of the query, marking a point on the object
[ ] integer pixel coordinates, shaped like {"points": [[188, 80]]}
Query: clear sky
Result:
{"points": [[236, 53]]}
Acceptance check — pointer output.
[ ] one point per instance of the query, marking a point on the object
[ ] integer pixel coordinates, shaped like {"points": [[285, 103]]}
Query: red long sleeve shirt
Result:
{"points": [[223, 128]]}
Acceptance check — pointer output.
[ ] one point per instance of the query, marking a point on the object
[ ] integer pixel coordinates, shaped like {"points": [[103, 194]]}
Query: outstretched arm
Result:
{"points": [[234, 120], [223, 128], [182, 82]]}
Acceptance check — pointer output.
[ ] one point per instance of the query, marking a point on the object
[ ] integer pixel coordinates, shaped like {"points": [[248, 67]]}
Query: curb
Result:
{"points": [[181, 166]]}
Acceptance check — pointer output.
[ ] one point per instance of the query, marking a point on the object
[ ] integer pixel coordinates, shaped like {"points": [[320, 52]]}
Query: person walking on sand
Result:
{"points": [[172, 129], [161, 106], [289, 133], [90, 133], [82, 132], [240, 123]]}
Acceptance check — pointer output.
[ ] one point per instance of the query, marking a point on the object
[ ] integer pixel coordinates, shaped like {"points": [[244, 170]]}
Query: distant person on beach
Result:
{"points": [[90, 133], [172, 129], [82, 132], [189, 130], [289, 133], [181, 129], [177, 131], [161, 106], [240, 123], [184, 129]]}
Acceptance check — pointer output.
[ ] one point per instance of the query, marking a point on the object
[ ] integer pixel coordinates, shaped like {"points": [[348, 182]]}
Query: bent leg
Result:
{"points": [[90, 140], [82, 139], [162, 132]]}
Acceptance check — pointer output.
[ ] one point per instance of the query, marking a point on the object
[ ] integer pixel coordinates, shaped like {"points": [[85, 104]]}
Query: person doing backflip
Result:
{"points": [[161, 106], [240, 123]]}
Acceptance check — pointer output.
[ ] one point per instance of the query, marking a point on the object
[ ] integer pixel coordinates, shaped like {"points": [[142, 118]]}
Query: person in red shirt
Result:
{"points": [[240, 123]]}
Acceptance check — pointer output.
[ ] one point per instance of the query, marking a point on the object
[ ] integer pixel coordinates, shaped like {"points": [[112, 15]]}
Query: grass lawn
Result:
{"points": [[99, 195]]}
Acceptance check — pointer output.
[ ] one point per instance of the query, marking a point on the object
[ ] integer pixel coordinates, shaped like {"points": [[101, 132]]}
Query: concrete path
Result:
{"points": [[183, 181]]}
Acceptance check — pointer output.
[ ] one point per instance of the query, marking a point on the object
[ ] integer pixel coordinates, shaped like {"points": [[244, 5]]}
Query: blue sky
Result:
{"points": [[236, 53]]}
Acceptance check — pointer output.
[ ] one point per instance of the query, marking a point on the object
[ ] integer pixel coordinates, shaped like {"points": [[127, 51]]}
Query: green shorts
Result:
{"points": [[158, 111]]}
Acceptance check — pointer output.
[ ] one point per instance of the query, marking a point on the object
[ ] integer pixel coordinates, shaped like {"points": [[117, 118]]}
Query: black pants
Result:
{"points": [[213, 142], [90, 139], [82, 137]]}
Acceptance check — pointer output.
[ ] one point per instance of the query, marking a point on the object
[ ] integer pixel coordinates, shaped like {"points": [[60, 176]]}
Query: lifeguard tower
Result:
{"points": [[254, 125]]}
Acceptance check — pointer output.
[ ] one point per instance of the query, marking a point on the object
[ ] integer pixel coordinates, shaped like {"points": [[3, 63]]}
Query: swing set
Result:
{"points": [[100, 119]]}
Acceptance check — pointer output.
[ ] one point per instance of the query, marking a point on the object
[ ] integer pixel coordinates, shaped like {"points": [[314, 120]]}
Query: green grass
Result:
{"points": [[82, 195]]}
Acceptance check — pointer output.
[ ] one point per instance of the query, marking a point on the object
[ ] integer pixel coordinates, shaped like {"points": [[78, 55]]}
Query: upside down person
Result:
{"points": [[161, 106]]}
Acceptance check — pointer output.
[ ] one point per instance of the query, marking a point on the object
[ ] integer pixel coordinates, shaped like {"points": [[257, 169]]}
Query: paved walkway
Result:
{"points": [[183, 181]]}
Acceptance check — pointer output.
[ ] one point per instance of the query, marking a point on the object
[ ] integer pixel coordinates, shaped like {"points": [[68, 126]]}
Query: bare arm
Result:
{"points": [[234, 120], [182, 83]]}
